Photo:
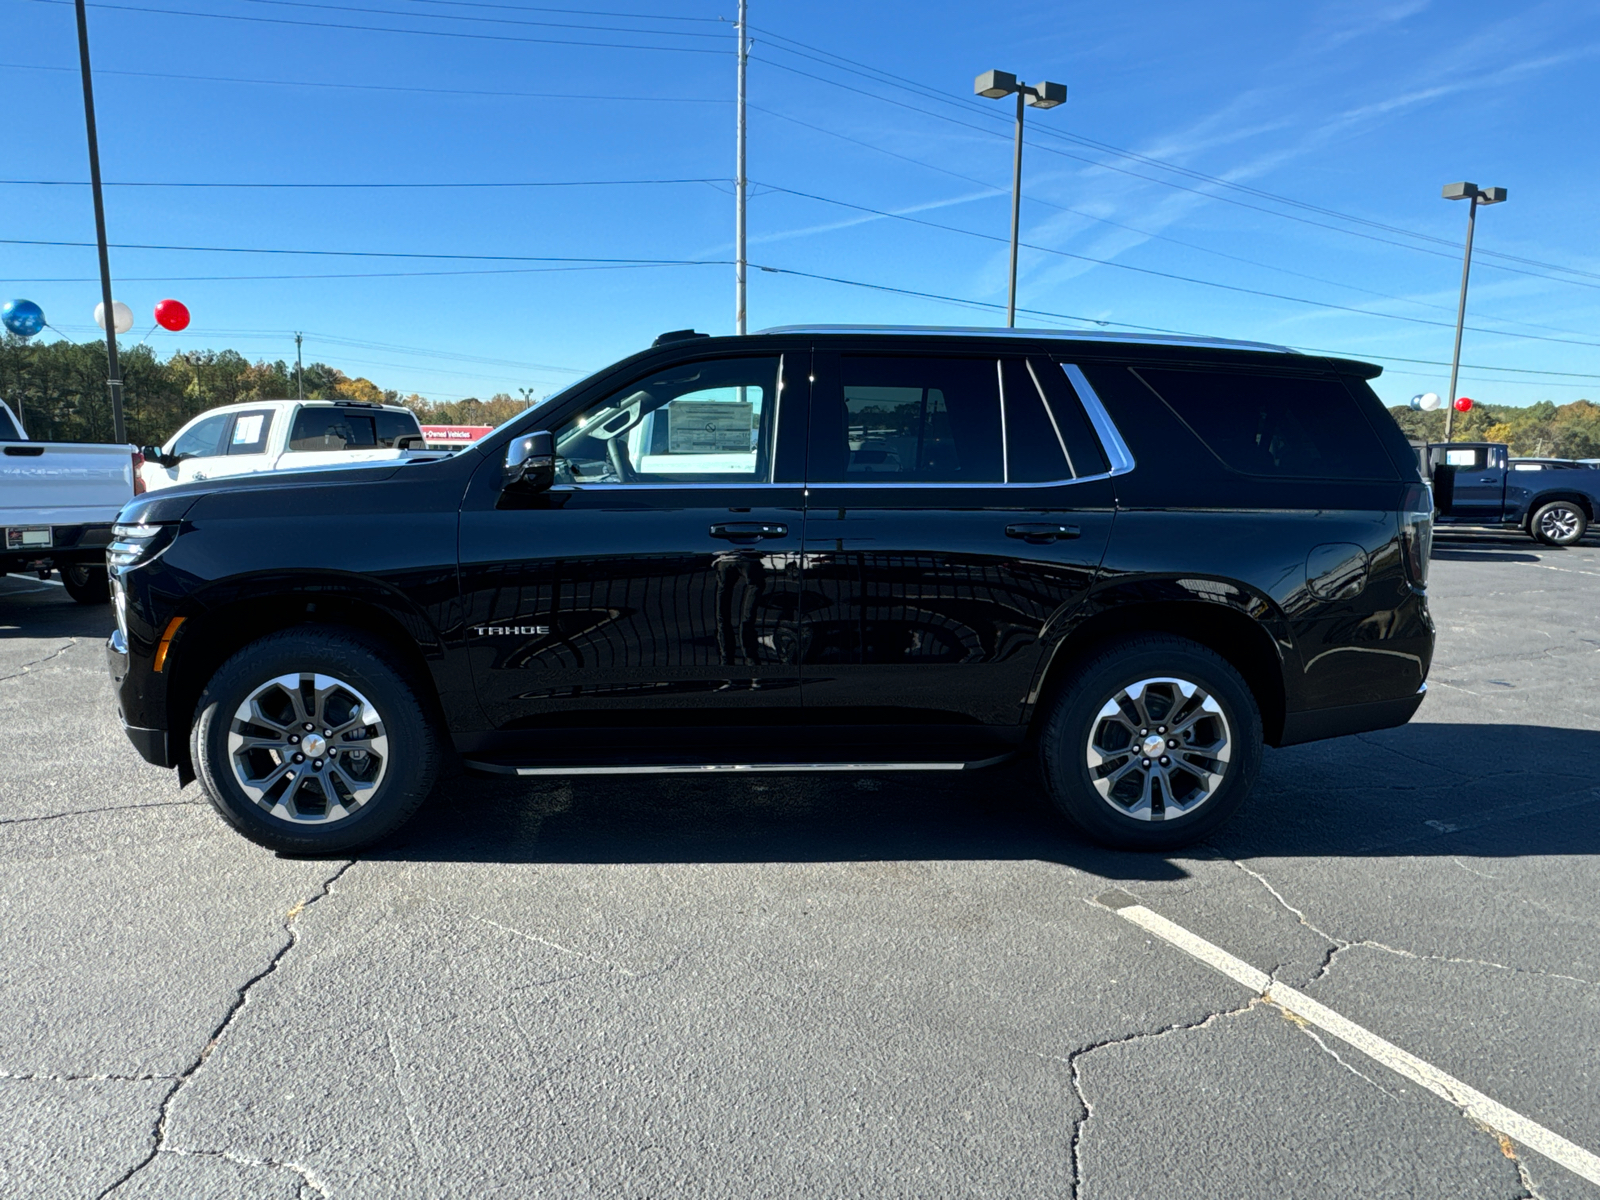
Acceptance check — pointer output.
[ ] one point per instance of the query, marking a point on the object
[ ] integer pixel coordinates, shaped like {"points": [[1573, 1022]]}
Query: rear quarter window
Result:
{"points": [[1274, 426]]}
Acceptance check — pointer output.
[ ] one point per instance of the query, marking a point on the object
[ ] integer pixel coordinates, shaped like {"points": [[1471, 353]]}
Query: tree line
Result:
{"points": [[1543, 430], [59, 390]]}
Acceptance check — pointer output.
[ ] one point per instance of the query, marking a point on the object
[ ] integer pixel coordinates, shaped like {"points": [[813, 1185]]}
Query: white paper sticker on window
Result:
{"points": [[1461, 458], [247, 429], [708, 427]]}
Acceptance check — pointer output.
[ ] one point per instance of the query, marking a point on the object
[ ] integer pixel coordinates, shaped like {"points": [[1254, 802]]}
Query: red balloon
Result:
{"points": [[171, 314], [1463, 404]]}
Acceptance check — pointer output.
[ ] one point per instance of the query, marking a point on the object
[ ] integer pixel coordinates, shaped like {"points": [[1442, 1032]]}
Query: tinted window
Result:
{"points": [[707, 422], [250, 432], [1035, 452], [332, 429], [200, 439], [1084, 451], [8, 428], [392, 426], [1274, 425], [920, 420]]}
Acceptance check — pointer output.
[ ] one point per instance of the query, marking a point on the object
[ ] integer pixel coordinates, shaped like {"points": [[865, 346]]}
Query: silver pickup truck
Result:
{"points": [[58, 501]]}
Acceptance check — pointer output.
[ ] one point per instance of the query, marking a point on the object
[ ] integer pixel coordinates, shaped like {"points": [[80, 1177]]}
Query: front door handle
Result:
{"points": [[749, 531], [1040, 532]]}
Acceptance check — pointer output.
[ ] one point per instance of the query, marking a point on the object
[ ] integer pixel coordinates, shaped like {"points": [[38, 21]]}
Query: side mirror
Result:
{"points": [[530, 463], [153, 454]]}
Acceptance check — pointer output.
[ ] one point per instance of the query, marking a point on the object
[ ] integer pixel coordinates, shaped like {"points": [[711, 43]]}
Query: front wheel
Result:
{"points": [[308, 742], [1559, 523], [86, 584], [1151, 744]]}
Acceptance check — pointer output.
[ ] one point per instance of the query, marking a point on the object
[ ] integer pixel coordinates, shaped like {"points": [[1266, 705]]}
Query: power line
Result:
{"points": [[378, 87], [379, 274], [965, 104], [654, 262], [393, 12], [537, 183], [1122, 266], [1034, 312], [447, 33]]}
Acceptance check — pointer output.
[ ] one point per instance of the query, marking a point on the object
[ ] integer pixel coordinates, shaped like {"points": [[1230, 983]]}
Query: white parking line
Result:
{"points": [[1469, 1100]]}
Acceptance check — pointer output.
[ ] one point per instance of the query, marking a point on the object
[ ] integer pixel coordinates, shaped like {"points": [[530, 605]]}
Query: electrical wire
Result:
{"points": [[537, 183], [378, 87]]}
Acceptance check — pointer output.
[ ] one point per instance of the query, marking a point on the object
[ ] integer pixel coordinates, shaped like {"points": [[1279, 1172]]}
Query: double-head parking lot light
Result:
{"points": [[995, 85], [1476, 195]]}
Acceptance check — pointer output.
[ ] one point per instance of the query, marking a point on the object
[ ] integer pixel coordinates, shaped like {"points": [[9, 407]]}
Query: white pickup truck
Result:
{"points": [[285, 435], [58, 501]]}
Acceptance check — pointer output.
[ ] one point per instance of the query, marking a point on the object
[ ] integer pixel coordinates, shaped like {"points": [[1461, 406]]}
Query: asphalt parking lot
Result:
{"points": [[895, 986]]}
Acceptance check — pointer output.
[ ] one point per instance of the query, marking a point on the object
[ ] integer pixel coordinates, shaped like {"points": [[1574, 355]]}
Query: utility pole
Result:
{"points": [[739, 182], [1477, 195], [299, 368], [113, 369]]}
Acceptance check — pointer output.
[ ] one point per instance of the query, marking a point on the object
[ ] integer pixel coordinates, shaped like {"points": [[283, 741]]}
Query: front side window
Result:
{"points": [[200, 439], [8, 428], [919, 420], [249, 434], [707, 422]]}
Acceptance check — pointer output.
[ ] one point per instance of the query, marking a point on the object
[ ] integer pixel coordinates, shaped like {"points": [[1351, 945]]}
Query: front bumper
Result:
{"points": [[150, 743]]}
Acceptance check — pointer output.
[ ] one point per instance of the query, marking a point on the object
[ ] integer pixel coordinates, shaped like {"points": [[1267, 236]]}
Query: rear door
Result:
{"points": [[955, 509], [1480, 482]]}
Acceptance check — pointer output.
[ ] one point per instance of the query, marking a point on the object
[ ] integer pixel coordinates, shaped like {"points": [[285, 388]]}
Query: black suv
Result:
{"points": [[807, 549]]}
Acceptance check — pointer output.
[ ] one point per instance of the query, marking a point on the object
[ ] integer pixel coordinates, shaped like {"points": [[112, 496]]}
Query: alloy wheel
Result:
{"points": [[1558, 523], [1158, 749], [308, 748]]}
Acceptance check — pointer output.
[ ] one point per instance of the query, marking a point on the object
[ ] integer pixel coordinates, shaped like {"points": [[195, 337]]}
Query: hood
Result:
{"points": [[173, 503]]}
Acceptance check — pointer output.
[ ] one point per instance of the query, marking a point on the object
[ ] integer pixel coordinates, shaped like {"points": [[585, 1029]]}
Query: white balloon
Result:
{"points": [[1429, 401], [119, 311]]}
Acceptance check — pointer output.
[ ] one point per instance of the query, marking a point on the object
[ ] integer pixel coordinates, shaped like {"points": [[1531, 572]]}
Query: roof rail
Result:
{"points": [[1068, 335]]}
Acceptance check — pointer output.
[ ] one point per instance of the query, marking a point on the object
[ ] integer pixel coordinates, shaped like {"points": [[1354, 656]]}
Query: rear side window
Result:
{"points": [[332, 429], [249, 435], [919, 420], [1275, 426], [392, 426]]}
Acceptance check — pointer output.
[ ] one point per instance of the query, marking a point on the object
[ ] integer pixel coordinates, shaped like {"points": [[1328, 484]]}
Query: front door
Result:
{"points": [[647, 601], [955, 510], [1480, 483]]}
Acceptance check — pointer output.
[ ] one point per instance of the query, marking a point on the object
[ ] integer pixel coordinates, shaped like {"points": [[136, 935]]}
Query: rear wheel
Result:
{"points": [[1151, 744], [1559, 523], [308, 742], [85, 583]]}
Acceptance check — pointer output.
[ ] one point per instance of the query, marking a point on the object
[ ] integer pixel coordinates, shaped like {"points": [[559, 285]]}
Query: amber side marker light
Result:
{"points": [[166, 643]]}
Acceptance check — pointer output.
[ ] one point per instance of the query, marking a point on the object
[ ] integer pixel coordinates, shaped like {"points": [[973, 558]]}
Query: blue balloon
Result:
{"points": [[22, 317]]}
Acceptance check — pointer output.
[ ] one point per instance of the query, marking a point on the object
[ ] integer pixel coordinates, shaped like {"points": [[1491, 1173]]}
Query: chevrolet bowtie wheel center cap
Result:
{"points": [[314, 745]]}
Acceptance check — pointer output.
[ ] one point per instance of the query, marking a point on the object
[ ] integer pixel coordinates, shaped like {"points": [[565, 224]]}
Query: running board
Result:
{"points": [[731, 768]]}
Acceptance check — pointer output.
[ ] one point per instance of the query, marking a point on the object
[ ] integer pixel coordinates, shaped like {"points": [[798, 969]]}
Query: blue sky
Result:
{"points": [[1362, 109]]}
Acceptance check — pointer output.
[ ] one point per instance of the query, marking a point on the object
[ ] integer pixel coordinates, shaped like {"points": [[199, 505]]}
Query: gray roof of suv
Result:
{"points": [[1067, 335]]}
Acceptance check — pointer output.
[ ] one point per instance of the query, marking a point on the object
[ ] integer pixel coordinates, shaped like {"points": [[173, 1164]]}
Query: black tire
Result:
{"points": [[400, 777], [86, 583], [1076, 716], [1559, 523]]}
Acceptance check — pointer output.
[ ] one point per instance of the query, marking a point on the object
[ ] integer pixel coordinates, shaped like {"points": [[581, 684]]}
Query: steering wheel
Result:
{"points": [[617, 456]]}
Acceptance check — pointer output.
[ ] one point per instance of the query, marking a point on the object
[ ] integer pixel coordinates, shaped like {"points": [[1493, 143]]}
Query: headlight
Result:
{"points": [[135, 544]]}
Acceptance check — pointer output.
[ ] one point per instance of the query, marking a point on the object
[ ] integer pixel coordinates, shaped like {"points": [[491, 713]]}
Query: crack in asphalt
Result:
{"points": [[159, 1133], [89, 812], [307, 1178], [46, 1077], [28, 666], [1080, 1124]]}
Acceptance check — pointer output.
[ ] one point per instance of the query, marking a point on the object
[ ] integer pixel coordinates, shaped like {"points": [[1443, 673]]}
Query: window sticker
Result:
{"points": [[247, 429], [708, 427]]}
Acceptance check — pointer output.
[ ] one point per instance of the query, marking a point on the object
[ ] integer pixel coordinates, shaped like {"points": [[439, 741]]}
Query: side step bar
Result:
{"points": [[729, 768]]}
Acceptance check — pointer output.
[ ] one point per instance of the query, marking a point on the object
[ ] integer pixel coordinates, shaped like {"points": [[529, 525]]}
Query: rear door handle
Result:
{"points": [[741, 531], [1040, 532]]}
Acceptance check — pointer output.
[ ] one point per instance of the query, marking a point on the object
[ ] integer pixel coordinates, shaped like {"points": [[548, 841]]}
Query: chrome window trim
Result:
{"points": [[927, 484], [1117, 452], [1005, 441], [1038, 391], [1064, 335]]}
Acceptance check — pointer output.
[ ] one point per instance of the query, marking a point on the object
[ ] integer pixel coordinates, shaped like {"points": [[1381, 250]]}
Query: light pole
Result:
{"points": [[739, 183], [113, 369], [994, 85], [1476, 195], [299, 369]]}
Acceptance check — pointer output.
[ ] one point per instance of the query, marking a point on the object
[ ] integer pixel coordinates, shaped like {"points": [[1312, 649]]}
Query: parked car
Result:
{"points": [[1477, 483], [283, 435], [808, 549], [58, 501]]}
